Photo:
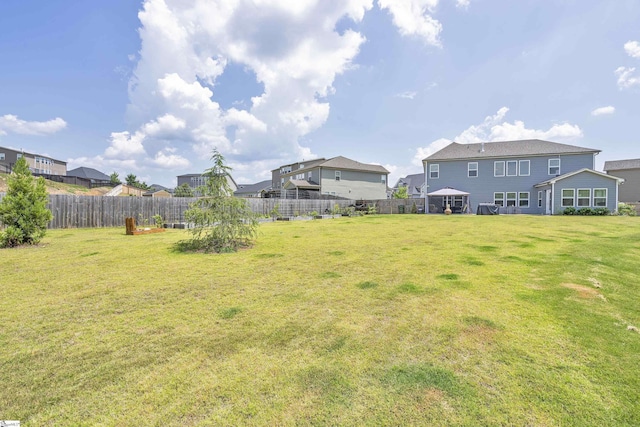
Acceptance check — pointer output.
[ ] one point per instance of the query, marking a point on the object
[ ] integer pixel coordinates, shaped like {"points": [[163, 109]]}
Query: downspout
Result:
{"points": [[553, 197], [425, 188]]}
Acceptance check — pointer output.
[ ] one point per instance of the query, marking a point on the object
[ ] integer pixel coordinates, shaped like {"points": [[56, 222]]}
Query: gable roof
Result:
{"points": [[413, 182], [614, 165], [300, 183], [253, 188], [567, 175], [88, 173], [341, 162], [525, 147]]}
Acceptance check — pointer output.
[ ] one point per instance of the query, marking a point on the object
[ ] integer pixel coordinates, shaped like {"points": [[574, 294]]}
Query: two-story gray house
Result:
{"points": [[38, 163], [338, 176], [526, 176]]}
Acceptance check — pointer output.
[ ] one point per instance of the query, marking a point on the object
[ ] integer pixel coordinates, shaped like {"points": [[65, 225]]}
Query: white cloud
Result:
{"points": [[11, 123], [632, 48], [463, 4], [603, 111], [407, 95], [493, 128], [626, 78], [413, 18], [291, 47]]}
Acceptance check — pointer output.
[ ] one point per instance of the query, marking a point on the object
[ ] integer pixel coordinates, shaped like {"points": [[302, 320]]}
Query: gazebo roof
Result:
{"points": [[448, 192]]}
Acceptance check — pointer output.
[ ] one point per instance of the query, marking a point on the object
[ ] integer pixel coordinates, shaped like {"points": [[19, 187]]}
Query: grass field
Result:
{"points": [[379, 320]]}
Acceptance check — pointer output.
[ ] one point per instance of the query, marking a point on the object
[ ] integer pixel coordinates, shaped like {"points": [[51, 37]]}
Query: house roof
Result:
{"points": [[343, 163], [253, 188], [413, 182], [158, 187], [525, 147], [88, 173], [32, 154], [614, 165], [304, 162], [300, 183], [567, 175]]}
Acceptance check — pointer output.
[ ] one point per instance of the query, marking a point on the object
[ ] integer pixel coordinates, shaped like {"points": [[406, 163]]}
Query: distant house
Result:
{"points": [[630, 171], [253, 190], [527, 176], [414, 184], [39, 164], [96, 177], [338, 176], [157, 193], [278, 174], [195, 180]]}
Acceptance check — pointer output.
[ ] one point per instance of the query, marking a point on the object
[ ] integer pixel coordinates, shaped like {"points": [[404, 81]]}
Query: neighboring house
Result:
{"points": [[253, 190], [527, 176], [195, 180], [158, 187], [38, 163], [96, 177], [414, 184], [339, 177], [629, 170], [278, 175]]}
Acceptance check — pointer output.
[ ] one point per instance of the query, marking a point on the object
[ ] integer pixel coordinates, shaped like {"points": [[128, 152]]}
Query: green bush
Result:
{"points": [[627, 210], [585, 211], [601, 211], [569, 211]]}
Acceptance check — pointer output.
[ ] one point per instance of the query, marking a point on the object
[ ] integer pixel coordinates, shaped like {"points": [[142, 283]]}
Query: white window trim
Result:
{"points": [[338, 176], [470, 169], [504, 169], [606, 197], [521, 200], [434, 168], [495, 199], [573, 197], [383, 179], [540, 198], [520, 163], [549, 167], [514, 199], [589, 200]]}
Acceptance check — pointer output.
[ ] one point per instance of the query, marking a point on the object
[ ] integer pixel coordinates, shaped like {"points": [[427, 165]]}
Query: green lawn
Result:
{"points": [[379, 320]]}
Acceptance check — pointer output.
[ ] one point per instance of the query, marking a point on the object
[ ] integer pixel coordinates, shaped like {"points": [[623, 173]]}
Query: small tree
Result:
{"points": [[401, 193], [23, 210], [131, 180], [183, 190], [222, 223], [115, 178]]}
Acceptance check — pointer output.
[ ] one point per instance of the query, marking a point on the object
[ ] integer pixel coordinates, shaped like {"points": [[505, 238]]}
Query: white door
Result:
{"points": [[548, 210]]}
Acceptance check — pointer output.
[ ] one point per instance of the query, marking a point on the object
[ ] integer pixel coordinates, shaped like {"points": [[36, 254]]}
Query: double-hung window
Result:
{"points": [[338, 175], [498, 168], [568, 196], [600, 197], [512, 168], [523, 199], [498, 199], [472, 169], [511, 198], [434, 171], [554, 166], [584, 197], [383, 179], [525, 167], [540, 199]]}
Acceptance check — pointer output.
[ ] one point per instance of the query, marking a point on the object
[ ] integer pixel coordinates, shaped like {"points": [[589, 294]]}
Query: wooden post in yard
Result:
{"points": [[131, 225]]}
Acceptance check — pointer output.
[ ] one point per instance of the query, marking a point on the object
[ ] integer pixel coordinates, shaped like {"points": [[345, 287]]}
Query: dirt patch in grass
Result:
{"points": [[583, 291]]}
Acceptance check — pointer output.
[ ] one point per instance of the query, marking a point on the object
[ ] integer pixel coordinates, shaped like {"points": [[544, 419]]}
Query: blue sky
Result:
{"points": [[151, 87]]}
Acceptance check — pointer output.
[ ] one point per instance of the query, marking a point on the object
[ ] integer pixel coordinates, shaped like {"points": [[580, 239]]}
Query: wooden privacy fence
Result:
{"points": [[71, 211]]}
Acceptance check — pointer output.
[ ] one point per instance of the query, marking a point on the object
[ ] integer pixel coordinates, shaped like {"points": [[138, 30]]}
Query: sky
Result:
{"points": [[152, 87]]}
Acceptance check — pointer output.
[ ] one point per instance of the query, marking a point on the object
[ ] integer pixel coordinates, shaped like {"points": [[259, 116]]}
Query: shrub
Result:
{"points": [[627, 210], [601, 211], [585, 211], [569, 211], [414, 208], [371, 209], [158, 220], [23, 210]]}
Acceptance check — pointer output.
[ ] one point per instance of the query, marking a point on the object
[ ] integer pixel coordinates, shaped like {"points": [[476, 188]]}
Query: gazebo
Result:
{"points": [[456, 199]]}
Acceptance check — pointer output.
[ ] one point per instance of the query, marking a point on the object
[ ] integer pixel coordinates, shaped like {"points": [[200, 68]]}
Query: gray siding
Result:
{"points": [[630, 189], [353, 184], [584, 180], [481, 189]]}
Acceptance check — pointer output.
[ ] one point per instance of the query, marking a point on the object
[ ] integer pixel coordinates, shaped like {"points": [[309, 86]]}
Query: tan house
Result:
{"points": [[38, 163], [339, 177], [629, 170]]}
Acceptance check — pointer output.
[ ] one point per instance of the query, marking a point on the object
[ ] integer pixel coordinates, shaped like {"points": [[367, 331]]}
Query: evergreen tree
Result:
{"points": [[23, 210], [183, 190], [115, 178], [222, 223]]}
